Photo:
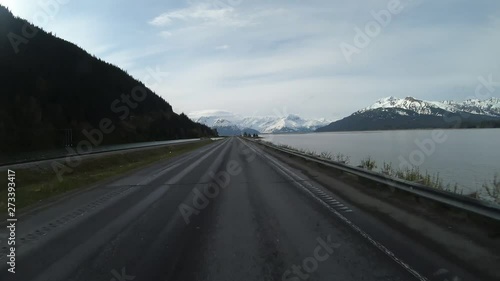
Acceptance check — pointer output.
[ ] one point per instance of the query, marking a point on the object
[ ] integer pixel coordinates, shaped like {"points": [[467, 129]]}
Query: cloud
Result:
{"points": [[129, 59], [166, 33], [103, 49], [222, 47], [286, 53], [199, 13], [209, 112]]}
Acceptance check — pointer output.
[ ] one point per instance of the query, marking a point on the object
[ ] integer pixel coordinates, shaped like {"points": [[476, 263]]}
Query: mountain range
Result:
{"points": [[228, 123], [411, 113]]}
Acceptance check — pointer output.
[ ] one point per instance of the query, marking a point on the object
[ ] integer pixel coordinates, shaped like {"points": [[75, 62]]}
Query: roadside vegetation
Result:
{"points": [[412, 174], [493, 189], [40, 183], [368, 163], [247, 135]]}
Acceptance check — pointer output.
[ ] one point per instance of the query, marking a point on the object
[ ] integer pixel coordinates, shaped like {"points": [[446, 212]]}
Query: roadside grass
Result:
{"points": [[341, 158], [368, 163], [493, 189], [326, 155], [37, 184], [412, 174]]}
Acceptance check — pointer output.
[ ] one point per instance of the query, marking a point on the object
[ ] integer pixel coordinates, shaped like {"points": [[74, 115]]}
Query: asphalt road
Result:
{"points": [[227, 211]]}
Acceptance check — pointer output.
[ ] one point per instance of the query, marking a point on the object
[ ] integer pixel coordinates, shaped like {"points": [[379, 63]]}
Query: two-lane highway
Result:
{"points": [[228, 211]]}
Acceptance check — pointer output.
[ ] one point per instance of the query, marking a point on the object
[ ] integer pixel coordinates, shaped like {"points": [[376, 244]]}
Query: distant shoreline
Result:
{"points": [[387, 130]]}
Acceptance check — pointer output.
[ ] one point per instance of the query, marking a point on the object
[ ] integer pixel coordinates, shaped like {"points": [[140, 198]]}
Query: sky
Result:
{"points": [[314, 58]]}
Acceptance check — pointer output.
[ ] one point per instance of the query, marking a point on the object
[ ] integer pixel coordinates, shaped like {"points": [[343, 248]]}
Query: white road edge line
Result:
{"points": [[299, 181]]}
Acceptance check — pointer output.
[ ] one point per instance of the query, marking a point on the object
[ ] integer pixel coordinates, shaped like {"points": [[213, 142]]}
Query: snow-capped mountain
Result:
{"points": [[411, 113], [222, 123], [285, 124], [489, 107], [211, 117], [264, 124], [227, 128]]}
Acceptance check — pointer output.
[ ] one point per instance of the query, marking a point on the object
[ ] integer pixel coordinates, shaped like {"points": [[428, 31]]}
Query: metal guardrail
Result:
{"points": [[97, 150], [483, 208]]}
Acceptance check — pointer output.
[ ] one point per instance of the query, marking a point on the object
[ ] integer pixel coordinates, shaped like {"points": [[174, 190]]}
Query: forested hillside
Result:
{"points": [[51, 85]]}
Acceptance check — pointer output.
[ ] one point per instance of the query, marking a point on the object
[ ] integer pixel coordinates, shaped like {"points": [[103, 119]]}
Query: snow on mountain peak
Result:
{"points": [[408, 103], [222, 123], [490, 107], [263, 124]]}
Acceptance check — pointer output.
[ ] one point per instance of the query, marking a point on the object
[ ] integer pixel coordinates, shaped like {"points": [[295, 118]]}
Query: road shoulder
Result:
{"points": [[457, 238]]}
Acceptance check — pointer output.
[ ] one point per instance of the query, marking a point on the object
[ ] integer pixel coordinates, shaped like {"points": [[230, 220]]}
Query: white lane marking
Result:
{"points": [[186, 171], [338, 204], [175, 165], [300, 182], [71, 261], [33, 238]]}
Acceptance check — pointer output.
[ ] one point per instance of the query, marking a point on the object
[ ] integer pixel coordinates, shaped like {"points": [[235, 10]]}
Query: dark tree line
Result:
{"points": [[483, 124], [248, 135], [50, 85]]}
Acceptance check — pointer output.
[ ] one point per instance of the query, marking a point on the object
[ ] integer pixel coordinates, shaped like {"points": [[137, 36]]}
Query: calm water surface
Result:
{"points": [[466, 157]]}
